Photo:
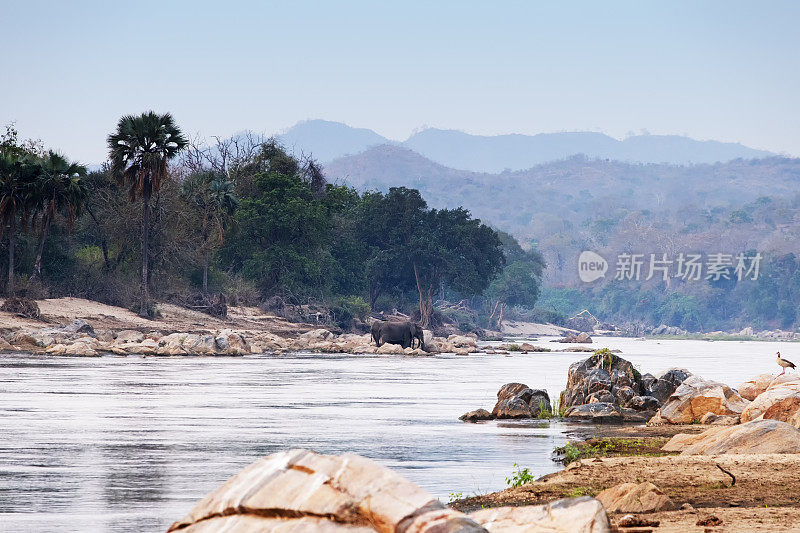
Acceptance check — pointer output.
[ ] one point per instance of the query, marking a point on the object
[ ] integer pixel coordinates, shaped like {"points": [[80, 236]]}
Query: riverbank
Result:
{"points": [[763, 498], [79, 327]]}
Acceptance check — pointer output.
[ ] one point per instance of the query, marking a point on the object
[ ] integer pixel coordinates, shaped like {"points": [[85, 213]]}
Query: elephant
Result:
{"points": [[394, 332]]}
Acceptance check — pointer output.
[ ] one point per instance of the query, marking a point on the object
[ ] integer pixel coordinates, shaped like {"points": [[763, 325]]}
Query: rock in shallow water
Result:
{"points": [[476, 416], [517, 400], [600, 413]]}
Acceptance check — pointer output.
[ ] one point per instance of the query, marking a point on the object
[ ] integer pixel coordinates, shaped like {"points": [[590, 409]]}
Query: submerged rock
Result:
{"points": [[477, 415]]}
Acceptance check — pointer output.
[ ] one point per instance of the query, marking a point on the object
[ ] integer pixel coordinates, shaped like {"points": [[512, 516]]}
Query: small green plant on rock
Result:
{"points": [[543, 411], [519, 477], [454, 496], [608, 358]]}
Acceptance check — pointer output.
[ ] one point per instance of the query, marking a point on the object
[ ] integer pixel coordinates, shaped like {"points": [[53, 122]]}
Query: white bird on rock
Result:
{"points": [[784, 363]]}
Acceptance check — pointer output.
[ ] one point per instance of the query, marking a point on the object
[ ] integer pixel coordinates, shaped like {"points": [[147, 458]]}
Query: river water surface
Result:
{"points": [[131, 443]]}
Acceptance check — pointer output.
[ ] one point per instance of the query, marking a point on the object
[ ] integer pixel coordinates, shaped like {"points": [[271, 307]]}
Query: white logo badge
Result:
{"points": [[591, 266]]}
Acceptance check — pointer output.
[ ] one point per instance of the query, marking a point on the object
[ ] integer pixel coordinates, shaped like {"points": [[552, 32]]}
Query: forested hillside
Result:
{"points": [[568, 206]]}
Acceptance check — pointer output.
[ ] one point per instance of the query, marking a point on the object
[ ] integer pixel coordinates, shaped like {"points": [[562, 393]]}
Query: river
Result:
{"points": [[130, 443]]}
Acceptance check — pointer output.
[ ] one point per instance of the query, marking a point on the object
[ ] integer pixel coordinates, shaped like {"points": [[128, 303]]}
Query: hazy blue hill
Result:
{"points": [[327, 140], [678, 149], [495, 153]]}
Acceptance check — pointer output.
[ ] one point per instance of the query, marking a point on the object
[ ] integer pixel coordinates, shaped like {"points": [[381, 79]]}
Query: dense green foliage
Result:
{"points": [[243, 218], [771, 301]]}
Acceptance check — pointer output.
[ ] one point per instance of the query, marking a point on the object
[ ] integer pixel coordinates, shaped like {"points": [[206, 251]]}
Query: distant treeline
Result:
{"points": [[174, 220], [768, 302]]}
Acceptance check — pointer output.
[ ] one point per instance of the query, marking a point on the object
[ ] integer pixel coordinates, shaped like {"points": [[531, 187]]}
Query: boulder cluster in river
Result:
{"points": [[514, 400], [607, 388]]}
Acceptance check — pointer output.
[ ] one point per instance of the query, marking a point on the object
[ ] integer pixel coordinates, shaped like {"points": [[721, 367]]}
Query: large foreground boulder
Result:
{"points": [[327, 492], [299, 490], [758, 436], [635, 498], [573, 515], [695, 397]]}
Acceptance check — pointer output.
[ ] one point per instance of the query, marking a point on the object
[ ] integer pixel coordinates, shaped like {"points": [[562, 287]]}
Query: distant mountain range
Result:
{"points": [[327, 141]]}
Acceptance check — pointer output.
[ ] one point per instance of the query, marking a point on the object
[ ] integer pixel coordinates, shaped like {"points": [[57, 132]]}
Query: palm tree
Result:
{"points": [[59, 187], [214, 195], [139, 150], [16, 174]]}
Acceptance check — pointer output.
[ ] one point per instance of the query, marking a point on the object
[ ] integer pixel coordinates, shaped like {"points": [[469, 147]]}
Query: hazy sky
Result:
{"points": [[723, 70]]}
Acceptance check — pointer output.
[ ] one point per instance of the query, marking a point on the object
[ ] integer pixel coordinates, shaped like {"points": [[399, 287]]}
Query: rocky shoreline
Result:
{"points": [[77, 327], [710, 458]]}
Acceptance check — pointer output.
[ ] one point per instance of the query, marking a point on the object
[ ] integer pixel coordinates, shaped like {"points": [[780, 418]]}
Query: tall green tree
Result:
{"points": [[139, 151], [281, 233], [388, 226], [412, 247], [16, 173], [214, 196], [453, 250], [59, 187]]}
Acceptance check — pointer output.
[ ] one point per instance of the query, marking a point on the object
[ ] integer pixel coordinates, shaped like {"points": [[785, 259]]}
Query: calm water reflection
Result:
{"points": [[129, 444]]}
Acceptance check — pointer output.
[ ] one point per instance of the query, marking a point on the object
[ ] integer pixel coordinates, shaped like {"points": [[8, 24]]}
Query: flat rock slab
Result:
{"points": [[570, 515], [756, 437], [598, 412]]}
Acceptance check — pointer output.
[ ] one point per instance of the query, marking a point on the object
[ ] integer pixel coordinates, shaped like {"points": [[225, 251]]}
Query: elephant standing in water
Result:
{"points": [[402, 333]]}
